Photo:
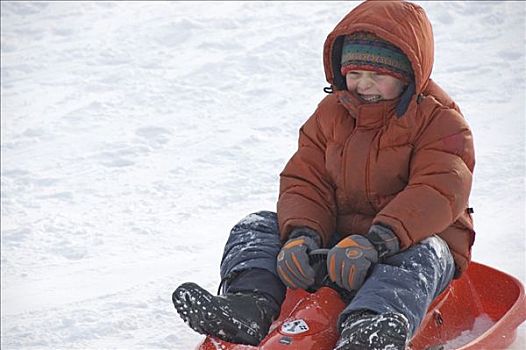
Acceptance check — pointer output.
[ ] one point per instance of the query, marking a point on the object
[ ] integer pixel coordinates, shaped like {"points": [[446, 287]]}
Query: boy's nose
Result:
{"points": [[364, 84]]}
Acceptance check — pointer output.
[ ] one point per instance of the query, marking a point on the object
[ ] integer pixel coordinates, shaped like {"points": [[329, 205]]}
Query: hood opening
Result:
{"points": [[340, 83]]}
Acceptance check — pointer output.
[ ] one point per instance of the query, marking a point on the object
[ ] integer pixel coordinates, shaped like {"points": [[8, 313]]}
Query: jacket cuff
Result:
{"points": [[305, 231], [383, 239]]}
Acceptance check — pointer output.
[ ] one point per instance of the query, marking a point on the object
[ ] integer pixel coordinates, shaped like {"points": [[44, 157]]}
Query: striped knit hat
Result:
{"points": [[366, 51]]}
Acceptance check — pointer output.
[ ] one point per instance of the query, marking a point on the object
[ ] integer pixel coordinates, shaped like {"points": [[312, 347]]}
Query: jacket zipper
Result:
{"points": [[346, 188], [367, 174]]}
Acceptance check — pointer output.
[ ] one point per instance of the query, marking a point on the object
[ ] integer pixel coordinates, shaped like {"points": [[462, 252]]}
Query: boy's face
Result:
{"points": [[372, 86]]}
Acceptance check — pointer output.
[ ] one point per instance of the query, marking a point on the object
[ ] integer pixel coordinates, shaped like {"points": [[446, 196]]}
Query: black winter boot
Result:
{"points": [[366, 330], [242, 317]]}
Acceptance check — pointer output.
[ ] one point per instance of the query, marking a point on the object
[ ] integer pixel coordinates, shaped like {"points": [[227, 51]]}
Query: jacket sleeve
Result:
{"points": [[306, 197], [440, 179]]}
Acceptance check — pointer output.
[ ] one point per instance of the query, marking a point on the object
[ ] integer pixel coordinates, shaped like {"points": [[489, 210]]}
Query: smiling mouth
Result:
{"points": [[370, 98]]}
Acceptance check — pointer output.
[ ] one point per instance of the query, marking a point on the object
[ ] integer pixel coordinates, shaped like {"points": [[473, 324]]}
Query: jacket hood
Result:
{"points": [[402, 23]]}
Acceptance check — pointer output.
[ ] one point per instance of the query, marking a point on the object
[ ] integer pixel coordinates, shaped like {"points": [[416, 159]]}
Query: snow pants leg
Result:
{"points": [[249, 257], [407, 282]]}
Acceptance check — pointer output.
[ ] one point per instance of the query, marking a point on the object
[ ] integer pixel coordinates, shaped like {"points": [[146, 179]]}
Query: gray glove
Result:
{"points": [[293, 260], [349, 261]]}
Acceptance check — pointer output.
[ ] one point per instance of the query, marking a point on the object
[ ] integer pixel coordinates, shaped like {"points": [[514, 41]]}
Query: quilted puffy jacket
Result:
{"points": [[358, 164]]}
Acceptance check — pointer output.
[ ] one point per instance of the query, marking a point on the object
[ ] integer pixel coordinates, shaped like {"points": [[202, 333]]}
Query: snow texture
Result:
{"points": [[482, 323], [134, 135]]}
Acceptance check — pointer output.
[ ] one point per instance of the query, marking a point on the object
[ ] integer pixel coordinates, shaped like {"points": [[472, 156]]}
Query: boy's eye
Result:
{"points": [[379, 76]]}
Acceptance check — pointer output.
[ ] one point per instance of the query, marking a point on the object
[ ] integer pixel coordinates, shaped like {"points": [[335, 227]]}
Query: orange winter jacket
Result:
{"points": [[358, 164]]}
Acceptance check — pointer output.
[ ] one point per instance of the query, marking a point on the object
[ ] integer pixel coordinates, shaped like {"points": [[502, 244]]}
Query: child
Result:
{"points": [[382, 177]]}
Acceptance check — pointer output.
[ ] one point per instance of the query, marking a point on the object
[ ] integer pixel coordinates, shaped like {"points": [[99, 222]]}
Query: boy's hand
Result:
{"points": [[293, 262], [349, 261]]}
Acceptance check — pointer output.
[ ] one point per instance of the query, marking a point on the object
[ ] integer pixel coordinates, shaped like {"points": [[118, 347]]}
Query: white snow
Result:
{"points": [[134, 135], [481, 325]]}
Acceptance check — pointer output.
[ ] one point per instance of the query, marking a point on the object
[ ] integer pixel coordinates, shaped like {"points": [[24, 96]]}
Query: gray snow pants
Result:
{"points": [[405, 283]]}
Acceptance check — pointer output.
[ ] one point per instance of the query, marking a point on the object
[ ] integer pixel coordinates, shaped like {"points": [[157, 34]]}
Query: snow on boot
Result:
{"points": [[242, 318], [366, 330]]}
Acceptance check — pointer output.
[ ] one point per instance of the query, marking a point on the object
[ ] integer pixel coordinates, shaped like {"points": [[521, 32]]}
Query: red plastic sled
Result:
{"points": [[481, 310]]}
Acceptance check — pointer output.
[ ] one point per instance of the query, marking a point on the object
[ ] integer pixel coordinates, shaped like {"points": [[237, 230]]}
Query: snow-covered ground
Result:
{"points": [[134, 135]]}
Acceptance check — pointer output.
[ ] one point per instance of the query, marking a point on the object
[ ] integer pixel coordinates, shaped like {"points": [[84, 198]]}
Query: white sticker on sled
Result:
{"points": [[294, 327]]}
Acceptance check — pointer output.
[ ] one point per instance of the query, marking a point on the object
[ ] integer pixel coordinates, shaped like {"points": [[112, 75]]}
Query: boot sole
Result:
{"points": [[204, 314]]}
